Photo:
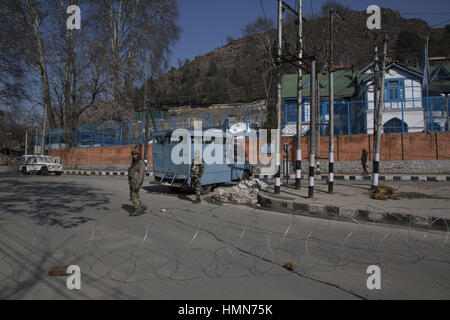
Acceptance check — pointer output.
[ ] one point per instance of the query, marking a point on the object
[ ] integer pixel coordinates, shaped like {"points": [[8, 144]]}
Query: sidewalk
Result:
{"points": [[425, 206], [337, 177]]}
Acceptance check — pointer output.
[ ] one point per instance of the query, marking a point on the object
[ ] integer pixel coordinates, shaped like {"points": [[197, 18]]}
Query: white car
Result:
{"points": [[40, 164]]}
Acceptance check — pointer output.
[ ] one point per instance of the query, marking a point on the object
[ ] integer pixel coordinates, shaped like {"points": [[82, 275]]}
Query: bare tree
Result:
{"points": [[128, 31], [262, 31], [89, 72], [27, 17], [337, 7]]}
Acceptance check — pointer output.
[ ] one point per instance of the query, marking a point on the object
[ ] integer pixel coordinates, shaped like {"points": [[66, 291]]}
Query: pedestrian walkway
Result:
{"points": [[419, 205]]}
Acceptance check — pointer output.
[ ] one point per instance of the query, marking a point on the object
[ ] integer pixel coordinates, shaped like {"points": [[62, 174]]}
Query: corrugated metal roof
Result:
{"points": [[343, 84]]}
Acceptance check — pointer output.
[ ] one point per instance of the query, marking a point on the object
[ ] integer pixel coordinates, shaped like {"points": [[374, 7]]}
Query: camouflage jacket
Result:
{"points": [[197, 169], [136, 173]]}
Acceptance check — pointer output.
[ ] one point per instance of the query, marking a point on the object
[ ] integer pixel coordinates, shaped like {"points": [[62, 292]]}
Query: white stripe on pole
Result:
{"points": [[277, 181], [299, 154], [311, 181], [331, 156], [377, 157], [298, 173], [375, 179], [331, 176]]}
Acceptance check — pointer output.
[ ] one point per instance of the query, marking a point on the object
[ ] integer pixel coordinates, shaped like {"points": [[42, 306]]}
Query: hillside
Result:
{"points": [[235, 72]]}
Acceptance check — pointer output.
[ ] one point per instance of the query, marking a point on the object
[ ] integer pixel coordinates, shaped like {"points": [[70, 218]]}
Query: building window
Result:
{"points": [[394, 91]]}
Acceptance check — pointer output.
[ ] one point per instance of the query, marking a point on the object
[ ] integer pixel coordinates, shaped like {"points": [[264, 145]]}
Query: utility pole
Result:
{"points": [[279, 55], [146, 114], [26, 141], [44, 123], [146, 132], [318, 122], [298, 162], [379, 114], [148, 111], [312, 129], [331, 110]]}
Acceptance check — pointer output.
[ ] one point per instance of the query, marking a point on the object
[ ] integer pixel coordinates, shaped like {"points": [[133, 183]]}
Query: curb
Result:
{"points": [[289, 205], [421, 178], [101, 173], [413, 178]]}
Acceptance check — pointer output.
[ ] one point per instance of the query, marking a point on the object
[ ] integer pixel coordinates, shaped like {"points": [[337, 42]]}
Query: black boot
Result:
{"points": [[137, 212], [198, 199]]}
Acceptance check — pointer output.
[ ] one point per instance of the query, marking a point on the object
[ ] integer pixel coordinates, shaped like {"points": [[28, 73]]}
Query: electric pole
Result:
{"points": [[312, 129], [378, 114], [318, 120], [279, 55], [298, 162], [148, 111], [44, 123], [331, 110], [26, 141]]}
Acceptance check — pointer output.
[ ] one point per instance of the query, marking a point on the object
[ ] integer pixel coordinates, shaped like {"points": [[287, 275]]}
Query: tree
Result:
{"points": [[130, 32], [89, 72], [408, 47], [337, 7], [261, 30]]}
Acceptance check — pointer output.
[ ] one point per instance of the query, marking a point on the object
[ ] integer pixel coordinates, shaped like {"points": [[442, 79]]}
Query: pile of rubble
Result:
{"points": [[246, 192]]}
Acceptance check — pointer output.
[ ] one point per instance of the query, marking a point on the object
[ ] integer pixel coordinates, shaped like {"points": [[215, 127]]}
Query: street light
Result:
{"points": [[445, 95]]}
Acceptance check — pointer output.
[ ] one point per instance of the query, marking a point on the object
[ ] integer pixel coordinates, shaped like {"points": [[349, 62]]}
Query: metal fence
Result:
{"points": [[113, 133], [351, 117], [356, 117]]}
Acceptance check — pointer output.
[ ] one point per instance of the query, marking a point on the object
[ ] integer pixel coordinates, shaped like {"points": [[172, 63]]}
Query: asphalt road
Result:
{"points": [[206, 251]]}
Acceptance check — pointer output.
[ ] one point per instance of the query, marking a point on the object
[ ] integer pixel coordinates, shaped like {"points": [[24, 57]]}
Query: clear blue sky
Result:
{"points": [[207, 23]]}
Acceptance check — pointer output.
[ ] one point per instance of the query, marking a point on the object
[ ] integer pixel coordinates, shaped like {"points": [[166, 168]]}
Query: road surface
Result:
{"points": [[179, 250]]}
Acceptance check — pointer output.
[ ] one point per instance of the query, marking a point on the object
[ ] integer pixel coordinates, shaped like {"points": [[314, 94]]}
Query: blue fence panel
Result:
{"points": [[351, 117]]}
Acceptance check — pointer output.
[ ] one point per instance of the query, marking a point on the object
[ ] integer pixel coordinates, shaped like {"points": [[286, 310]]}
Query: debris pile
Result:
{"points": [[246, 192], [383, 193], [58, 271], [290, 266]]}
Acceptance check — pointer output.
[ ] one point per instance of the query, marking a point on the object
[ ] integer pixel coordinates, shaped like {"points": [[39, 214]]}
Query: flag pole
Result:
{"points": [[428, 85]]}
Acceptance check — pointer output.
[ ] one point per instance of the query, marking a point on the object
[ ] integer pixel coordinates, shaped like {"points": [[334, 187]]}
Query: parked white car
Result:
{"points": [[40, 164]]}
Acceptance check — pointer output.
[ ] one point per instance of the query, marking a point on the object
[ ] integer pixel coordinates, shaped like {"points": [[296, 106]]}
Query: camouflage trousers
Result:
{"points": [[134, 197], [197, 186]]}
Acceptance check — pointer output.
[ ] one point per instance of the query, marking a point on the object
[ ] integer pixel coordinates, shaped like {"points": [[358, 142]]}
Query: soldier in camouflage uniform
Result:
{"points": [[197, 167], [364, 161], [136, 174]]}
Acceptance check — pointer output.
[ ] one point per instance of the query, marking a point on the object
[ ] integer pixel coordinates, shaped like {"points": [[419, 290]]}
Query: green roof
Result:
{"points": [[343, 85], [438, 86], [432, 69]]}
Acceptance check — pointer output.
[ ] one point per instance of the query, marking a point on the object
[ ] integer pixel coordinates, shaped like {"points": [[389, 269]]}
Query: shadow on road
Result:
{"points": [[50, 202], [128, 208]]}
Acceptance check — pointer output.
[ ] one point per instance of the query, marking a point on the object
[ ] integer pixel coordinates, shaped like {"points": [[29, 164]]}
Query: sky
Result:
{"points": [[206, 24]]}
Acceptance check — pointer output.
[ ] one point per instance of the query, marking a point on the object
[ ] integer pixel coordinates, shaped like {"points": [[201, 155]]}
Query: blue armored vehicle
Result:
{"points": [[176, 176]]}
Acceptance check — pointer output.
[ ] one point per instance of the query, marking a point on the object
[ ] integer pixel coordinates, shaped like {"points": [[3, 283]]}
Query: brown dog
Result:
{"points": [[383, 193]]}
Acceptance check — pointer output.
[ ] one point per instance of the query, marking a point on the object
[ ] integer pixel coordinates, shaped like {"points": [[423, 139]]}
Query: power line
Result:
{"points": [[440, 23], [264, 11], [423, 13]]}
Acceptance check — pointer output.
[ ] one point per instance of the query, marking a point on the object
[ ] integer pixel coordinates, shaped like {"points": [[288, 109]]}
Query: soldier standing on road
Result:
{"points": [[136, 174], [364, 161], [197, 167]]}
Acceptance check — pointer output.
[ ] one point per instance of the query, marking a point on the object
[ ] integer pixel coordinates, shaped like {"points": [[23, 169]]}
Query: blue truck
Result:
{"points": [[177, 176]]}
